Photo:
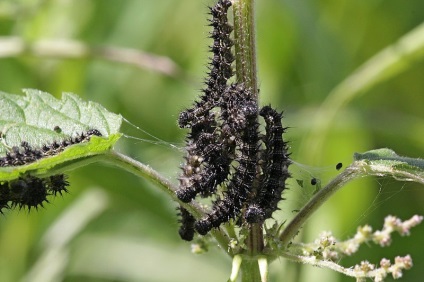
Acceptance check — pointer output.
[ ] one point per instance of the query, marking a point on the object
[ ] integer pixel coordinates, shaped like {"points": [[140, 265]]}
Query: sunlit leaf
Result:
{"points": [[40, 119], [385, 162]]}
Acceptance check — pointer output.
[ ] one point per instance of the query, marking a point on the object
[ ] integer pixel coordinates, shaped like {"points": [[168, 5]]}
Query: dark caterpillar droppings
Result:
{"points": [[57, 129]]}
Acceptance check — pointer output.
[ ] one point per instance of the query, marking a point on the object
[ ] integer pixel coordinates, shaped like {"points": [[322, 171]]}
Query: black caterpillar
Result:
{"points": [[220, 69], [187, 224], [275, 169], [223, 147], [208, 150], [243, 125], [26, 154], [29, 191]]}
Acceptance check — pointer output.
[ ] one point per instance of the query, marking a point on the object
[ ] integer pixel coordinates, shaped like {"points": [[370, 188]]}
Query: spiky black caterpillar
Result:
{"points": [[207, 165], [242, 125], [208, 149], [26, 154], [220, 69], [187, 224], [274, 169], [224, 146], [31, 192]]}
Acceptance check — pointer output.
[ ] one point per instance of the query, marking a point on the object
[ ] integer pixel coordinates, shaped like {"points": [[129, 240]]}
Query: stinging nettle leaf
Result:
{"points": [[38, 118], [389, 157], [385, 162]]}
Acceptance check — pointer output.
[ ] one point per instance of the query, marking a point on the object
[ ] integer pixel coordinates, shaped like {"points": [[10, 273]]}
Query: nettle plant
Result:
{"points": [[236, 157]]}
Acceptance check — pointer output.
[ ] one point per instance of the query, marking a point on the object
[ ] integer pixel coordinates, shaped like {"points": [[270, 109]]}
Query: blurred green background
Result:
{"points": [[115, 227]]}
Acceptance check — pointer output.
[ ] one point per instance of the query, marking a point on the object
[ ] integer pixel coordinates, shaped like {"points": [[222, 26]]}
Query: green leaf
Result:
{"points": [[389, 157], [33, 118], [385, 162], [38, 119], [237, 260]]}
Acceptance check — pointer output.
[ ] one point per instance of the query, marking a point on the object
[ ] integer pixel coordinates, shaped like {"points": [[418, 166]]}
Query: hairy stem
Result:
{"points": [[245, 49], [250, 270], [330, 265], [245, 55], [150, 174], [255, 240]]}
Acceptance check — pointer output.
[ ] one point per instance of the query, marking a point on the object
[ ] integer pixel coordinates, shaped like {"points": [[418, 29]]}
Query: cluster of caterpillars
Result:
{"points": [[224, 147], [29, 191], [26, 154]]}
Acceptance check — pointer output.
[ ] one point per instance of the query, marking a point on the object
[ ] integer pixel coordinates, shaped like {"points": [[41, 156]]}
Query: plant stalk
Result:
{"points": [[244, 43], [245, 57], [318, 200], [250, 271], [255, 240], [150, 174]]}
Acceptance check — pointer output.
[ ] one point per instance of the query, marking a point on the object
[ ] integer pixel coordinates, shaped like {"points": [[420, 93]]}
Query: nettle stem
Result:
{"points": [[245, 57], [244, 41], [292, 228], [145, 171]]}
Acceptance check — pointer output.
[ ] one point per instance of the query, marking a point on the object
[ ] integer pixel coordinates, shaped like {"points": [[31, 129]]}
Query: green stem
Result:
{"points": [[255, 240], [245, 55], [142, 170], [244, 41], [250, 270], [150, 174], [318, 200]]}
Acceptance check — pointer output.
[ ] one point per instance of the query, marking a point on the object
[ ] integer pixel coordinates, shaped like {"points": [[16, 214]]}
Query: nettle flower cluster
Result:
{"points": [[227, 158], [327, 250]]}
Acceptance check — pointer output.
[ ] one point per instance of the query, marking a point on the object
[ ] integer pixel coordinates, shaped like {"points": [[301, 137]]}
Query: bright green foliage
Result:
{"points": [[33, 118], [385, 162], [390, 158], [49, 165], [38, 118]]}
